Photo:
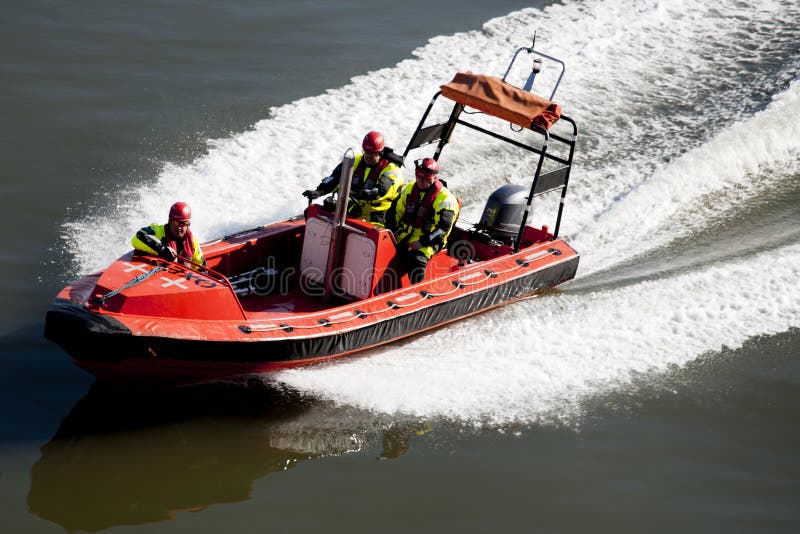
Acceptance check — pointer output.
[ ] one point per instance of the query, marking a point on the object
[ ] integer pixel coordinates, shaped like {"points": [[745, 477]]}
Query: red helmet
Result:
{"points": [[373, 142], [427, 166], [180, 211]]}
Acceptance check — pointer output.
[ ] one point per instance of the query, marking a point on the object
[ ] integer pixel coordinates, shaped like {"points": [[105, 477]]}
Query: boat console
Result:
{"points": [[367, 265]]}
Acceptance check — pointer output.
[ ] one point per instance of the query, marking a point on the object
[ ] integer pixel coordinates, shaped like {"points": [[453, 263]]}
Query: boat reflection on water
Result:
{"points": [[128, 458]]}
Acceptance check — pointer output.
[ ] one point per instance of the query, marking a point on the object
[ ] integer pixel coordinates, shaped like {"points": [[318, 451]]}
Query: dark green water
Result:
{"points": [[96, 98]]}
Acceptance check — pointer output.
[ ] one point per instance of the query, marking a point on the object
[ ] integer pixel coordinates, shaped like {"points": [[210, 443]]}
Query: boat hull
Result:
{"points": [[115, 352]]}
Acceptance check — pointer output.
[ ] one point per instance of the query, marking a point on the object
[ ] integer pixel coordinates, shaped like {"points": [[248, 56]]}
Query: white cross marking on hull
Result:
{"points": [[132, 267], [173, 282]]}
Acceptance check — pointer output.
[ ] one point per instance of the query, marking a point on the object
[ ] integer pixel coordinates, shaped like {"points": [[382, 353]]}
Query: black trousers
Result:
{"points": [[415, 263]]}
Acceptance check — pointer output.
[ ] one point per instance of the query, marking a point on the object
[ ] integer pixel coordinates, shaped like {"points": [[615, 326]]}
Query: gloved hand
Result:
{"points": [[166, 253], [311, 194], [368, 194]]}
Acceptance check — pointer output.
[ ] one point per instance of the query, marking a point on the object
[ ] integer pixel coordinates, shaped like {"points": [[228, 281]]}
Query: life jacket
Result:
{"points": [[184, 247], [419, 210], [367, 180]]}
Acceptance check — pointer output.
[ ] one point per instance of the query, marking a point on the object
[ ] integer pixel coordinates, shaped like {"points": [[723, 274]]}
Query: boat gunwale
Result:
{"points": [[373, 305]]}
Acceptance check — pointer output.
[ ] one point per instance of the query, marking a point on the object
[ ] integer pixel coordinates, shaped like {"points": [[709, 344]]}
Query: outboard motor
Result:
{"points": [[503, 212]]}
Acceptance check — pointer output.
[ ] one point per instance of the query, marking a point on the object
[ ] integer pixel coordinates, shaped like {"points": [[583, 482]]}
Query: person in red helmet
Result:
{"points": [[171, 241], [377, 180], [424, 217]]}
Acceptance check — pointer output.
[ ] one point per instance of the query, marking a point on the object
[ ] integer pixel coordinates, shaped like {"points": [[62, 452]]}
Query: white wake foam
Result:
{"points": [[536, 360], [709, 179]]}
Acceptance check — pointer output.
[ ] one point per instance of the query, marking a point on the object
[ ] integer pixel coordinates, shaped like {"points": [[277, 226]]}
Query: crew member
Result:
{"points": [[377, 180], [425, 214], [172, 241]]}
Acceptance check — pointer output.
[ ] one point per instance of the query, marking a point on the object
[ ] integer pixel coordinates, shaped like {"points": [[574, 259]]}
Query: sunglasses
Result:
{"points": [[182, 223]]}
